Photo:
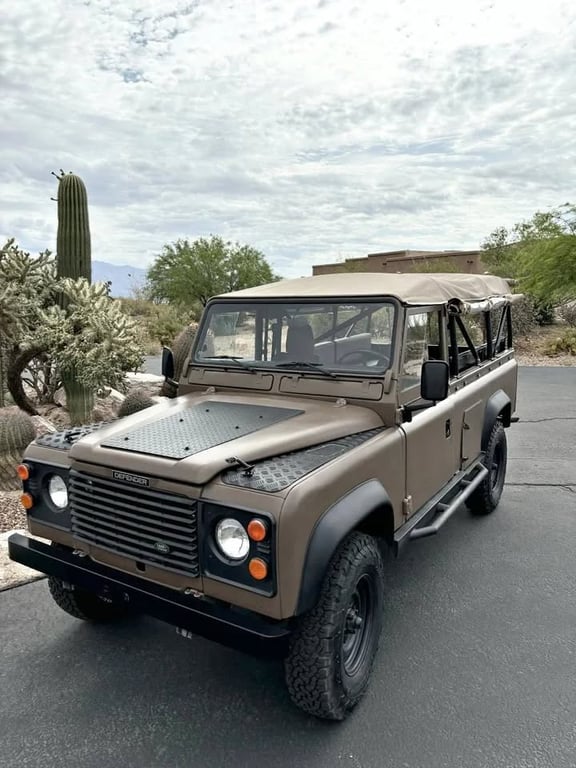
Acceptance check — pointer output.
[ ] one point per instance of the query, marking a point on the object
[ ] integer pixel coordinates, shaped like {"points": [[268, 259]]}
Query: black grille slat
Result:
{"points": [[144, 497], [131, 522], [156, 560], [120, 508], [145, 532], [127, 489], [123, 542], [135, 522]]}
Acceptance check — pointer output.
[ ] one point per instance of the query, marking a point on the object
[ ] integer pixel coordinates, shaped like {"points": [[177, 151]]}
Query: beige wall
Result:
{"points": [[406, 261]]}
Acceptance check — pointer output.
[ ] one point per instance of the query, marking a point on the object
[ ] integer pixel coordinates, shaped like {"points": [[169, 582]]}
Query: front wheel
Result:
{"points": [[85, 605], [333, 648]]}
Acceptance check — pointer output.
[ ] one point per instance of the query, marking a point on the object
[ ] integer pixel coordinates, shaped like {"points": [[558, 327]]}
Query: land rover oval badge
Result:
{"points": [[160, 546]]}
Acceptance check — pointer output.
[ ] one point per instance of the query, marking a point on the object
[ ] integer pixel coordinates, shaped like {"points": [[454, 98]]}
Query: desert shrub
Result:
{"points": [[159, 324], [568, 314], [523, 316], [544, 313], [565, 344]]}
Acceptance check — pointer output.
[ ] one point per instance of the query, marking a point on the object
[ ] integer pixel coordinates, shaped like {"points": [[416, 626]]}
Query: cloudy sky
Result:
{"points": [[312, 130]]}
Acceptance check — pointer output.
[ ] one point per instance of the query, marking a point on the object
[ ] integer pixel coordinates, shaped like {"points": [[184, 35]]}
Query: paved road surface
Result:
{"points": [[476, 669], [152, 364]]}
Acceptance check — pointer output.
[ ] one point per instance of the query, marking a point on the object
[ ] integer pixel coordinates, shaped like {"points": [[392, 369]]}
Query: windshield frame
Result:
{"points": [[300, 302]]}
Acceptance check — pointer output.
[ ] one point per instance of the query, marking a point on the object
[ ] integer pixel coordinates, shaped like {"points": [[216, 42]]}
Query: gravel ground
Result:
{"points": [[12, 513]]}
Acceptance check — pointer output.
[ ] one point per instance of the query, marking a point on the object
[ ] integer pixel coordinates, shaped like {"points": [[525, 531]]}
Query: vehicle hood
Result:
{"points": [[192, 438]]}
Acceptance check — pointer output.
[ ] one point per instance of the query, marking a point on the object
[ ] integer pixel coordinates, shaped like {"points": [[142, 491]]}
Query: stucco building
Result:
{"points": [[406, 261]]}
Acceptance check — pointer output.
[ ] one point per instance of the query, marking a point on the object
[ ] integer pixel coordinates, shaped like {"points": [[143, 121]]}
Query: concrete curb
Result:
{"points": [[14, 574]]}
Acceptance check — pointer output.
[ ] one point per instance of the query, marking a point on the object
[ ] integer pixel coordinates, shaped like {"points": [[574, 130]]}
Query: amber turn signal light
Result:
{"points": [[258, 569], [27, 501], [23, 471], [257, 530]]}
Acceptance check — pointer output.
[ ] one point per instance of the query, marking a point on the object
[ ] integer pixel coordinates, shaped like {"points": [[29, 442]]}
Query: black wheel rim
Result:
{"points": [[358, 621], [497, 468]]}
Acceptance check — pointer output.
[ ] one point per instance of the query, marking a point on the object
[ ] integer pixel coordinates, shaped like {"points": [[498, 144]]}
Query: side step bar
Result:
{"points": [[428, 520], [447, 510]]}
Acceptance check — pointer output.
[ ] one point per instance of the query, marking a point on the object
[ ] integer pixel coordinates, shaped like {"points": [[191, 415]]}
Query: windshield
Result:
{"points": [[345, 336]]}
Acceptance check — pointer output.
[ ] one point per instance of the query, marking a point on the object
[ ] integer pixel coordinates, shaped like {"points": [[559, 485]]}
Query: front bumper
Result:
{"points": [[214, 620]]}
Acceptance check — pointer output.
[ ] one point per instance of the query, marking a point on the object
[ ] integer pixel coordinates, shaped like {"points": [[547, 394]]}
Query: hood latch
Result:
{"points": [[248, 468]]}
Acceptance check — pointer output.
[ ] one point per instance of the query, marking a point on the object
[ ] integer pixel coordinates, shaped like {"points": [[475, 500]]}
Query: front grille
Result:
{"points": [[151, 527]]}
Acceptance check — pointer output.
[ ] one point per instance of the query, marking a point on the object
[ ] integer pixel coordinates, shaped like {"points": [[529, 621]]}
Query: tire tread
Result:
{"points": [[310, 666]]}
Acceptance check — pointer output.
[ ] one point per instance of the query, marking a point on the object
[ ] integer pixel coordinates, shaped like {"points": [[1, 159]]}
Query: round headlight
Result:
{"points": [[58, 491], [232, 539]]}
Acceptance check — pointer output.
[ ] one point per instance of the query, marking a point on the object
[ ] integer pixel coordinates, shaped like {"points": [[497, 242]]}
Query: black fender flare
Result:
{"points": [[332, 528], [498, 406]]}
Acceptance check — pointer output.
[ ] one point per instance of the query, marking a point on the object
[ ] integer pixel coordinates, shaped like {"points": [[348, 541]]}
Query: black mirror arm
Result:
{"points": [[408, 410]]}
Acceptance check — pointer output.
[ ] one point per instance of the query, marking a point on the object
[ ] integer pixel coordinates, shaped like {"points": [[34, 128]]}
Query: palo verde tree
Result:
{"points": [[188, 273], [540, 253]]}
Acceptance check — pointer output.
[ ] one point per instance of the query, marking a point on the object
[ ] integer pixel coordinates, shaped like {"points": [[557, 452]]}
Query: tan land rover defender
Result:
{"points": [[319, 422]]}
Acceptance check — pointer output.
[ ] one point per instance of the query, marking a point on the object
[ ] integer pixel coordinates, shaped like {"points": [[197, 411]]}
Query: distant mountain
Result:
{"points": [[123, 278]]}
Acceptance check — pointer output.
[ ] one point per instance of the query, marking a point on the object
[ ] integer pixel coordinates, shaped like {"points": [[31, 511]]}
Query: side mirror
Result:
{"points": [[167, 363], [435, 378]]}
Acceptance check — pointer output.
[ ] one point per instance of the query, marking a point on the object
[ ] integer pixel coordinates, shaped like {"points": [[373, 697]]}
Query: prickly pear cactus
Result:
{"points": [[134, 402], [17, 431]]}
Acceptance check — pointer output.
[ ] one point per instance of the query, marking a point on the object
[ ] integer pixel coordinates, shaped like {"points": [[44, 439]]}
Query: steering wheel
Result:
{"points": [[369, 357]]}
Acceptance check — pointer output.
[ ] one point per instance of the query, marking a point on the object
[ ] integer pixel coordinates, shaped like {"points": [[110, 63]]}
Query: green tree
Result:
{"points": [[186, 273], [540, 253]]}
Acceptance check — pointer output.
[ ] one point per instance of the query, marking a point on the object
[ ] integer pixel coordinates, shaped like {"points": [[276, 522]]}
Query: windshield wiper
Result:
{"points": [[306, 364], [237, 360]]}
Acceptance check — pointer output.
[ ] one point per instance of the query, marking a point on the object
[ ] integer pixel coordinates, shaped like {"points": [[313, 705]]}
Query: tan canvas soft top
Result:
{"points": [[413, 289]]}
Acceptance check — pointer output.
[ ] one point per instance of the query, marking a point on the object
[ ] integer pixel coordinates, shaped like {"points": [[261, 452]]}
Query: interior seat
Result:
{"points": [[300, 341]]}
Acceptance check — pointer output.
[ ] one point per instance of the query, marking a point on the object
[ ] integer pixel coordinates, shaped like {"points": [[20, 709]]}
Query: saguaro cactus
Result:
{"points": [[73, 246], [73, 259]]}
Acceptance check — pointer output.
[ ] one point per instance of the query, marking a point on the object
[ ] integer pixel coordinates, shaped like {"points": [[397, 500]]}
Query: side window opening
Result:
{"points": [[476, 338], [422, 343]]}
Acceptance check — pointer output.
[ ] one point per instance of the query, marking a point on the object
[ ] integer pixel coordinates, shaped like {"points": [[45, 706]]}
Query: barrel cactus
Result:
{"points": [[180, 349], [17, 431], [136, 401], [73, 260]]}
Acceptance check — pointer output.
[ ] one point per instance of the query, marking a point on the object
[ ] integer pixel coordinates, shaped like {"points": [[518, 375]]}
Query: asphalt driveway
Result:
{"points": [[476, 668]]}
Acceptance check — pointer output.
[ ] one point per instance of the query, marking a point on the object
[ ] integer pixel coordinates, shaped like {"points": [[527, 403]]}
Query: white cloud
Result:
{"points": [[311, 130]]}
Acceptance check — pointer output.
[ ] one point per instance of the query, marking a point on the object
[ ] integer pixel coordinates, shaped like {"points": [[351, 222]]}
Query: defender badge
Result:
{"points": [[127, 477]]}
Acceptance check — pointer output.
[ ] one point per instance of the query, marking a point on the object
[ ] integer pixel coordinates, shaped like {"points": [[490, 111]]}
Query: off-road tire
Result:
{"points": [[322, 677], [486, 497], [85, 605]]}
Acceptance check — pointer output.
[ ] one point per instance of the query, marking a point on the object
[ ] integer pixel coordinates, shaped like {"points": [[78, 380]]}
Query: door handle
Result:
{"points": [[448, 428]]}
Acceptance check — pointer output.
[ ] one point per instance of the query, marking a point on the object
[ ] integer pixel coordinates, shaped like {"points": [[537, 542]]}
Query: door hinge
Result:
{"points": [[407, 507]]}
